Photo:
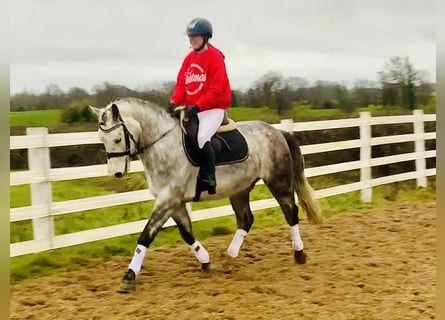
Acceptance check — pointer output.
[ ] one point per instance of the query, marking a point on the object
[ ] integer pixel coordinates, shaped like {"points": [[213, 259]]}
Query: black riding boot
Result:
{"points": [[207, 169]]}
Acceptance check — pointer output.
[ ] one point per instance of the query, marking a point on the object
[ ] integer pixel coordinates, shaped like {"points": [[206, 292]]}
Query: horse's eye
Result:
{"points": [[118, 140]]}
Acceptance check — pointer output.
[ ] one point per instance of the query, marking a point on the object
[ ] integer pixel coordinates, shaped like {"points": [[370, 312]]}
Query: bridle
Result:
{"points": [[127, 137]]}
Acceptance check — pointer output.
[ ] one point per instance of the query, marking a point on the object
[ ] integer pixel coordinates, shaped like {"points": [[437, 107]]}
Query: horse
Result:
{"points": [[131, 127]]}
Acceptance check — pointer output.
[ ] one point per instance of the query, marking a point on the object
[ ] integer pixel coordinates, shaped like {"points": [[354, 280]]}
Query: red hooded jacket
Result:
{"points": [[203, 81]]}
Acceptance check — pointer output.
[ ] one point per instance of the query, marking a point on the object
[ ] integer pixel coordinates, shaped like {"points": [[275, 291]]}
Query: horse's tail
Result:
{"points": [[305, 193]]}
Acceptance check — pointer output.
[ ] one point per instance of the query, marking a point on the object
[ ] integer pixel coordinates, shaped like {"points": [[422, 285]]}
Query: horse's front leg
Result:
{"points": [[184, 224], [161, 213]]}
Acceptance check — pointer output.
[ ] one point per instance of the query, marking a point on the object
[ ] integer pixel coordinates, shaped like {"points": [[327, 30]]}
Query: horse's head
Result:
{"points": [[119, 137]]}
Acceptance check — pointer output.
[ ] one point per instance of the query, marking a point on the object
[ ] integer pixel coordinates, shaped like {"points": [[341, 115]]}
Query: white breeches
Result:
{"points": [[209, 122]]}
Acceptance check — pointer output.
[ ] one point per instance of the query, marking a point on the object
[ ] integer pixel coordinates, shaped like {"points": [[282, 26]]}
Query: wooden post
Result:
{"points": [[41, 193], [419, 148], [188, 206], [365, 156], [288, 124]]}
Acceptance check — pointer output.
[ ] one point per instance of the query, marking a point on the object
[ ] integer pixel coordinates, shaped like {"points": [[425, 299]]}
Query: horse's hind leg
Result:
{"points": [[284, 194], [244, 221], [182, 219]]}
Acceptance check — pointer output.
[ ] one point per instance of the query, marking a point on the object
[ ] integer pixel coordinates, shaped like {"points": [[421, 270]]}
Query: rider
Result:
{"points": [[203, 86]]}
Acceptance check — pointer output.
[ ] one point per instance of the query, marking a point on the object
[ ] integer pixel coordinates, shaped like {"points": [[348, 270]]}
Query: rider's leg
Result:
{"points": [[209, 121], [207, 171]]}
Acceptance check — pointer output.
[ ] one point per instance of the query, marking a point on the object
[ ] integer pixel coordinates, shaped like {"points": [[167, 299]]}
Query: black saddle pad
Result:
{"points": [[230, 147]]}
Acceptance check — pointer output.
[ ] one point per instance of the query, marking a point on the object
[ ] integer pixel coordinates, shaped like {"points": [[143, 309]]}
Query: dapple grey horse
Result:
{"points": [[130, 126]]}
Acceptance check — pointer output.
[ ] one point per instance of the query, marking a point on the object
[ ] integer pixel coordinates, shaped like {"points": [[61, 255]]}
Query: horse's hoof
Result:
{"points": [[300, 257], [205, 267], [128, 282]]}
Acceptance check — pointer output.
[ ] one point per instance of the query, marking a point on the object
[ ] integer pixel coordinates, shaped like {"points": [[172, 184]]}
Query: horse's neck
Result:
{"points": [[153, 124], [154, 129], [164, 155]]}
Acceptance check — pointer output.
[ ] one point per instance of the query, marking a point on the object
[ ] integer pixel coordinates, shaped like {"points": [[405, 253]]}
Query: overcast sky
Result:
{"points": [[139, 43]]}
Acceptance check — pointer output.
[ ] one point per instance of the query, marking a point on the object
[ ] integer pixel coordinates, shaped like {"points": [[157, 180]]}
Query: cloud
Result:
{"points": [[134, 43]]}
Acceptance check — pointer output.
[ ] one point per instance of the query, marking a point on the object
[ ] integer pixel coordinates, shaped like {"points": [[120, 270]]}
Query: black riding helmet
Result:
{"points": [[200, 27]]}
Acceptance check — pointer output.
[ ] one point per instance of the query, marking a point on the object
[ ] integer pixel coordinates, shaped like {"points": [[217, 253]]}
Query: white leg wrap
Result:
{"points": [[138, 258], [297, 244], [236, 243], [200, 252]]}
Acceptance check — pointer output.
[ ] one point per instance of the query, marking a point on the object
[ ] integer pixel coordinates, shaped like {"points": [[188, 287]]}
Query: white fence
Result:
{"points": [[40, 176]]}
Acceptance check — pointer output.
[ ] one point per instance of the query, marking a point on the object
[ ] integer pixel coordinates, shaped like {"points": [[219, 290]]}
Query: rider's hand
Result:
{"points": [[171, 109], [192, 111]]}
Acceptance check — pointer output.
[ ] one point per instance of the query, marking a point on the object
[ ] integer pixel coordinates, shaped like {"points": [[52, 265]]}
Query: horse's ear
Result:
{"points": [[94, 110], [115, 112]]}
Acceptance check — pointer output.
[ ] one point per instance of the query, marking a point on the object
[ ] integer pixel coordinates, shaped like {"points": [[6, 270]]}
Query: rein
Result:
{"points": [[128, 136]]}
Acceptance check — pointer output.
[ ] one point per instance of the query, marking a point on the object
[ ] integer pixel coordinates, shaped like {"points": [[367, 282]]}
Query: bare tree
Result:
{"points": [[273, 91], [365, 93], [399, 80]]}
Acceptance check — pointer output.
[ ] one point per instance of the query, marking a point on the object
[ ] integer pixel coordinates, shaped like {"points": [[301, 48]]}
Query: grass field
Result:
{"points": [[51, 118], [38, 118]]}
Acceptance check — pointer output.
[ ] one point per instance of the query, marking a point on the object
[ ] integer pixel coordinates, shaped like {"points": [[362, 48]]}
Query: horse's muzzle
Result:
{"points": [[119, 174]]}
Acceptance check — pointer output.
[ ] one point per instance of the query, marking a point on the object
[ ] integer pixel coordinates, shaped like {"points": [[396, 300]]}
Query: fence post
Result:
{"points": [[188, 206], [41, 193], [288, 124], [419, 148], [365, 156]]}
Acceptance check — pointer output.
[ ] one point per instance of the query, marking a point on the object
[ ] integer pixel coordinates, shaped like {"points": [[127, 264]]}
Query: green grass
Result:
{"points": [[37, 118], [304, 111], [51, 118], [297, 113], [264, 114], [77, 189]]}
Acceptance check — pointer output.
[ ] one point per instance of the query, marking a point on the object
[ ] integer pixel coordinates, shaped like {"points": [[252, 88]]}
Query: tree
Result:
{"points": [[324, 95], [366, 93], [268, 83], [24, 101], [78, 111], [344, 100], [76, 93], [106, 92], [52, 98], [298, 88], [424, 93], [282, 100], [272, 90], [399, 80]]}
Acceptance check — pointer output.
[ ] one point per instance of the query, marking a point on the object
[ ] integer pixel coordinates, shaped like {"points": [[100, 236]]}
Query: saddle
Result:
{"points": [[229, 144]]}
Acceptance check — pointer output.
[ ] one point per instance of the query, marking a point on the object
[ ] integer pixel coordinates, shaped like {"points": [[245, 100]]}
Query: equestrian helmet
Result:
{"points": [[200, 27]]}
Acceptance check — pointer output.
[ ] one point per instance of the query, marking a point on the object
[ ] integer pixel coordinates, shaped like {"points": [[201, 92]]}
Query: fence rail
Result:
{"points": [[40, 175]]}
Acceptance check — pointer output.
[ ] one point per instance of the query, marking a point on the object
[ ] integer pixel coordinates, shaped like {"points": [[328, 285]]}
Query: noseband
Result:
{"points": [[127, 137]]}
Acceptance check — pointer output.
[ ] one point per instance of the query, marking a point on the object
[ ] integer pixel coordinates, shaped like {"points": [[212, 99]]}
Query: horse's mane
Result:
{"points": [[132, 104], [140, 109], [135, 100]]}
